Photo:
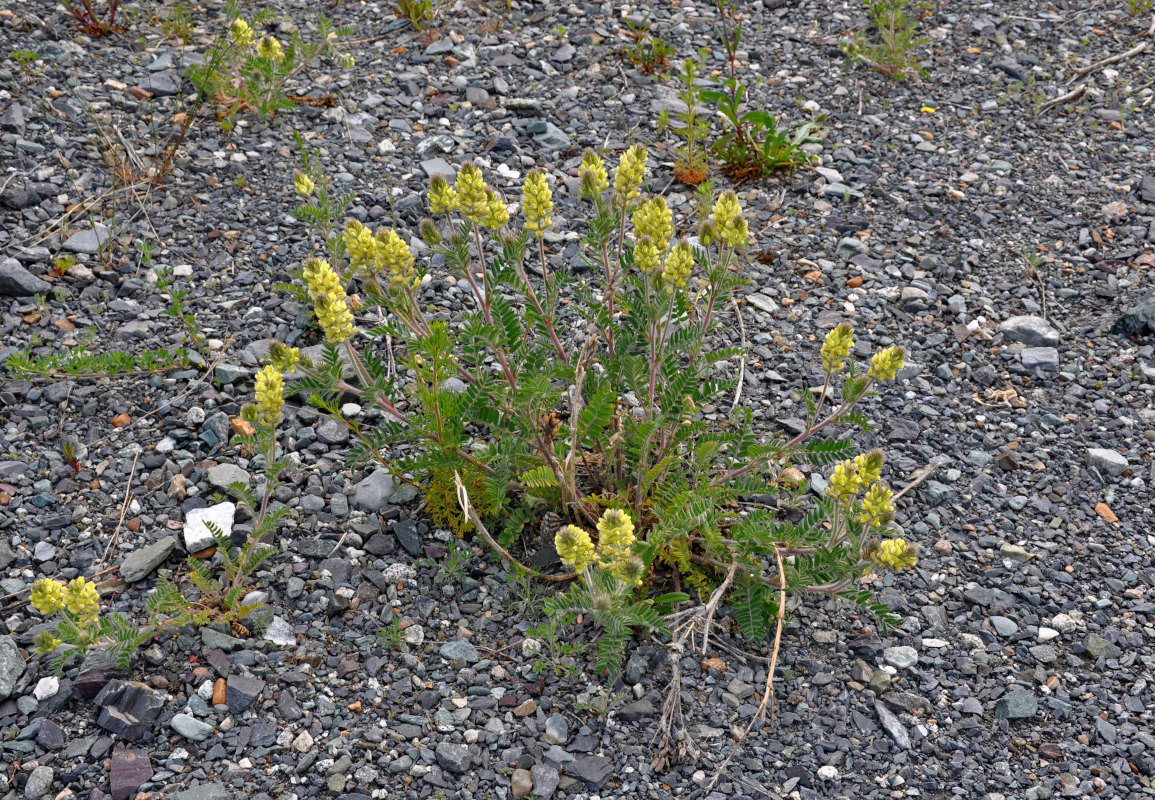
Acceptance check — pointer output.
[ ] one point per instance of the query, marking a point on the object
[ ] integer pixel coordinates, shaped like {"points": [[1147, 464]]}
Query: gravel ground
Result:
{"points": [[1022, 668]]}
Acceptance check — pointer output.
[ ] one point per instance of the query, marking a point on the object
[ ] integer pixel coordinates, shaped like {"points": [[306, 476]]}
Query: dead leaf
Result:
{"points": [[243, 427], [32, 317], [120, 420], [716, 664]]}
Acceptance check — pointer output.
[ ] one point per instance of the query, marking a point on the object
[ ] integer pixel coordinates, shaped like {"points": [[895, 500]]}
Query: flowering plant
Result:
{"points": [[80, 627]]}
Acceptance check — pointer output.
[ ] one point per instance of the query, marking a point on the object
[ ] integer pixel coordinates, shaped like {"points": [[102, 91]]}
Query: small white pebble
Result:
{"points": [[828, 773]]}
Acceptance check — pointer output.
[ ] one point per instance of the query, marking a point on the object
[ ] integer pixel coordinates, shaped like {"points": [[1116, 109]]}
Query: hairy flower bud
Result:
{"points": [[329, 302], [442, 196], [472, 192], [896, 554], [736, 234], [574, 547], [630, 571], [837, 347], [270, 49], [496, 214], [628, 178], [869, 466], [47, 596], [877, 506], [537, 201], [593, 175], [285, 358], [615, 535], [679, 263], [82, 601], [46, 642], [361, 247], [726, 209], [303, 184], [843, 484], [346, 61], [708, 232], [240, 33], [885, 364], [654, 219], [397, 258], [648, 258], [430, 233], [270, 393]]}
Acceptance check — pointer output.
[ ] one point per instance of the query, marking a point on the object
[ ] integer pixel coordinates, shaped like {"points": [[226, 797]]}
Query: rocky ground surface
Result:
{"points": [[1009, 250]]}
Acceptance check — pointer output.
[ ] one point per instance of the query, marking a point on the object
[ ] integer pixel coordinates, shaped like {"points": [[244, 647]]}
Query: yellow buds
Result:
{"points": [[430, 234], [616, 535], [395, 255], [648, 257], [729, 224], [346, 61], [442, 196], [82, 601], [896, 554], [877, 506], [47, 596], [285, 358], [837, 347], [46, 642], [472, 193], [843, 485], [329, 301], [628, 178], [537, 201], [630, 571], [361, 246], [270, 49], [679, 263], [593, 175], [303, 184], [240, 33], [654, 219], [496, 214], [869, 466], [270, 392], [885, 364], [574, 547]]}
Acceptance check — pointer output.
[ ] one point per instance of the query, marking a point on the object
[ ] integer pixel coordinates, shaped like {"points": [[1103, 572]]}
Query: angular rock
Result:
{"points": [[1139, 320], [50, 736], [1107, 461], [1018, 704], [140, 563], [1096, 646], [639, 709], [373, 491], [11, 666], [92, 680], [190, 727], [1044, 358], [459, 650], [39, 783], [88, 242], [594, 771], [223, 476], [891, 724], [242, 692], [15, 281], [455, 758], [130, 769], [545, 781], [1030, 330], [197, 536], [128, 708]]}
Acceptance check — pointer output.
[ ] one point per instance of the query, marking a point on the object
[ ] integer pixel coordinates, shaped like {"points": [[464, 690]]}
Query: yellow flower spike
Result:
{"points": [[654, 219], [927, 110], [869, 466], [360, 245], [843, 483], [303, 185], [679, 264], [615, 535], [628, 178], [885, 364], [270, 392], [593, 175], [240, 33], [648, 258], [630, 571], [47, 596], [496, 213], [284, 358], [472, 193], [726, 210], [537, 201], [270, 49], [877, 506], [329, 301], [574, 547], [442, 196], [836, 348], [736, 234], [398, 259], [896, 554], [82, 601]]}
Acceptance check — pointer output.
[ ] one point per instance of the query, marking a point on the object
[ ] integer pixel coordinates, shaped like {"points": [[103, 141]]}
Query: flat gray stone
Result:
{"points": [[1030, 330], [1044, 358], [141, 563], [88, 242], [891, 724], [15, 281], [373, 491], [223, 476], [191, 728], [455, 758], [459, 650], [545, 781], [1110, 462], [11, 666], [39, 783], [439, 166], [1019, 704], [900, 657]]}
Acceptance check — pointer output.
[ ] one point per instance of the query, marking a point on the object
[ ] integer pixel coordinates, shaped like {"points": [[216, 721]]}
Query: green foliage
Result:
{"points": [[691, 167], [94, 21], [1137, 7], [648, 51], [421, 14], [166, 285], [891, 48], [81, 363]]}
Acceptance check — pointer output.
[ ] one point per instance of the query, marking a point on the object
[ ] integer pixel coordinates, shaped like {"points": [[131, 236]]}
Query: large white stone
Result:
{"points": [[197, 536]]}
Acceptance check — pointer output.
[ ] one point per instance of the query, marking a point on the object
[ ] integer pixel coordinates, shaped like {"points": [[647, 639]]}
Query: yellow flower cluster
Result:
{"points": [[47, 596], [46, 642], [729, 224], [472, 193], [78, 597], [885, 364], [361, 247], [654, 219], [869, 466], [616, 535], [442, 196], [836, 348], [270, 392], [240, 33], [270, 49], [496, 214], [329, 302], [346, 61], [679, 264], [575, 547], [593, 175], [893, 554], [648, 257], [843, 484], [877, 506], [537, 200], [303, 185], [855, 474], [285, 358], [393, 252], [628, 178]]}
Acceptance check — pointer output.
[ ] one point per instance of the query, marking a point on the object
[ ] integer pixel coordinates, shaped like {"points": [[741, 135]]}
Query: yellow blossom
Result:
{"points": [[894, 554], [346, 61], [574, 547], [537, 201], [303, 184], [284, 358], [679, 263], [615, 535], [496, 214], [82, 601], [593, 175], [869, 466], [270, 392], [398, 259], [442, 196], [877, 506], [726, 209], [240, 33], [885, 364], [631, 571], [654, 219], [628, 178], [648, 258], [361, 246], [927, 110], [47, 596], [736, 234], [270, 49], [46, 642], [843, 485], [472, 192], [329, 301], [837, 347]]}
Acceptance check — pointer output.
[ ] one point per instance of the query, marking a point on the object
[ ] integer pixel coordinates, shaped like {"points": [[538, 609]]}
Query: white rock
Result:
{"points": [[828, 773], [1064, 623], [46, 687], [304, 742], [900, 657], [196, 533], [280, 633], [415, 635], [1047, 634]]}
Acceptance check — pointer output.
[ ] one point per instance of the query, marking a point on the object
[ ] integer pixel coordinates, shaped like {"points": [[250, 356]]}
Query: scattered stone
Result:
{"points": [[459, 650], [224, 476], [11, 666], [130, 769], [455, 758], [15, 281], [1098, 647], [900, 657], [521, 783], [128, 708], [1107, 461], [1139, 320], [191, 728], [1044, 358], [89, 242], [374, 491], [594, 771], [1031, 331], [39, 783], [243, 692], [1018, 704], [140, 563], [891, 724], [197, 536]]}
